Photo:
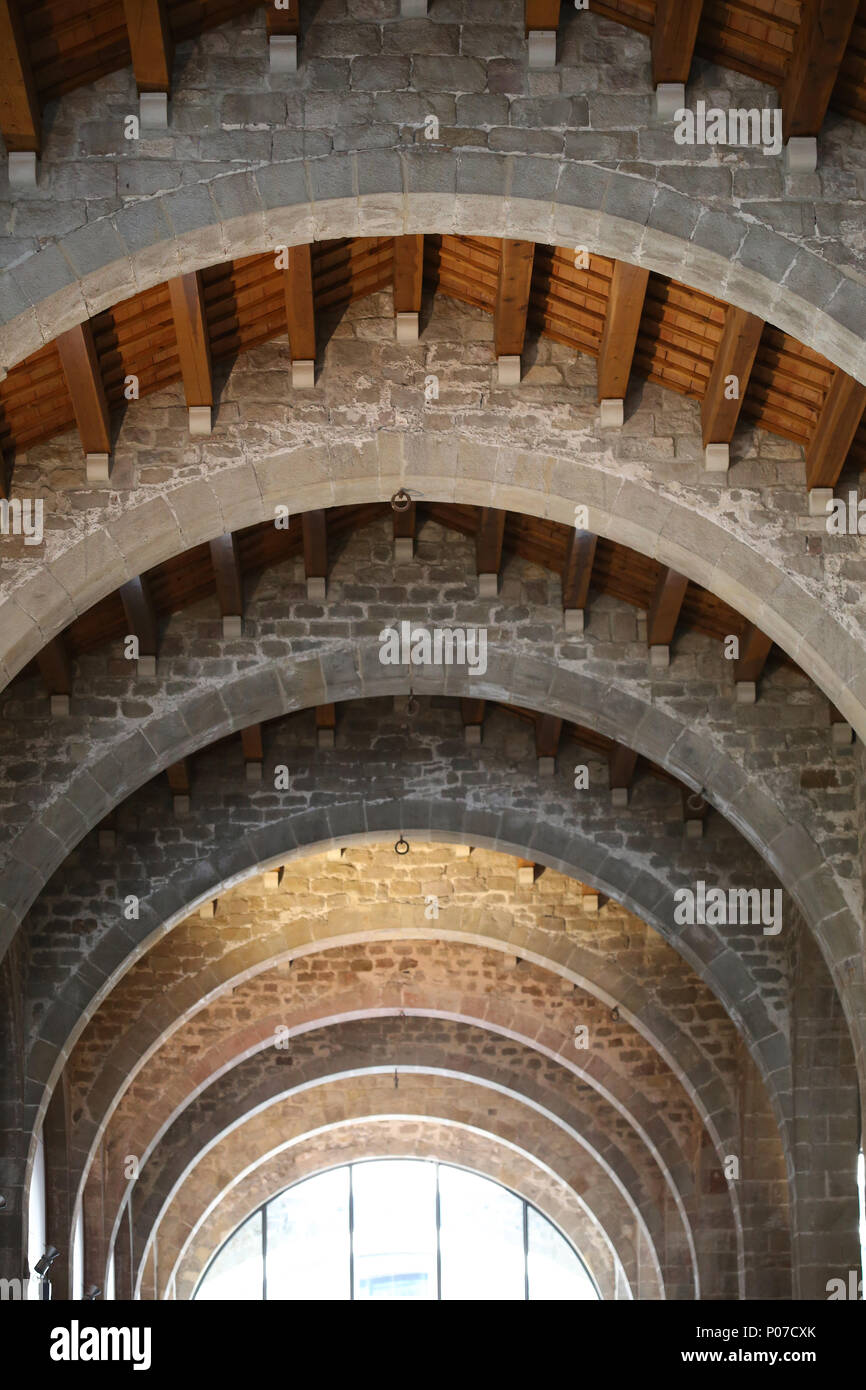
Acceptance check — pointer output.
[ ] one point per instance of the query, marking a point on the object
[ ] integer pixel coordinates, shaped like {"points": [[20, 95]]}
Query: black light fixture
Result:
{"points": [[614, 1013], [401, 846], [44, 1264], [2, 1202], [92, 1294]]}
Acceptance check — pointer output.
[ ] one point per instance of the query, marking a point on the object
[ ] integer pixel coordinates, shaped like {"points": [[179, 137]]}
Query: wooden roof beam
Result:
{"points": [[674, 35], [152, 55], [548, 731], [301, 316], [55, 669], [404, 533], [511, 307], [229, 581], [140, 613], [20, 116], [326, 726], [728, 384], [664, 614], [472, 714], [193, 348], [284, 31], [81, 370], [254, 753], [488, 550], [837, 425], [755, 647], [621, 766], [314, 529], [819, 47], [577, 577], [178, 775], [408, 281], [619, 338]]}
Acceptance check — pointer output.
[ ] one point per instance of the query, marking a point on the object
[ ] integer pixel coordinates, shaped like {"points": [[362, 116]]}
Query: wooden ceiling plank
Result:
{"points": [[300, 305], [405, 522], [408, 273], [326, 716], [755, 647], [837, 425], [151, 43], [819, 47], [512, 297], [286, 20], [735, 357], [674, 35], [625, 307], [472, 711], [178, 777], [140, 613], [665, 607], [84, 382], [191, 332], [488, 540], [542, 14], [577, 570], [227, 575], [20, 119], [55, 666]]}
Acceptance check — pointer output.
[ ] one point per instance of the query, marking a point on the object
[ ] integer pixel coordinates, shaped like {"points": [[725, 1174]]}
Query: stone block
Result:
{"points": [[842, 735], [208, 910], [670, 98], [407, 327], [283, 52], [541, 47], [413, 9], [404, 549], [58, 706], [525, 875], [488, 585], [546, 767], [153, 110], [659, 656], [253, 773], [336, 854], [472, 735], [619, 796], [107, 840], [611, 414], [200, 419], [801, 154], [462, 851], [717, 458], [145, 666], [233, 625], [820, 501], [271, 879], [181, 806], [747, 692], [97, 467], [573, 619], [589, 903], [508, 371], [326, 738], [21, 168], [316, 588], [694, 829], [303, 375]]}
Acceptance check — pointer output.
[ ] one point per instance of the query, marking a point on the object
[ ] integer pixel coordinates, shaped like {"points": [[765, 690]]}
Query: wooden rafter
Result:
{"points": [[300, 304], [315, 537], [251, 743], [624, 309], [577, 570], [548, 730], [541, 14], [472, 711], [512, 297], [286, 20], [55, 667], [140, 614], [837, 425], [178, 777], [84, 382], [20, 119], [665, 608], [151, 43], [326, 716], [735, 356], [193, 347], [488, 540], [621, 763], [755, 647], [675, 31], [405, 522], [228, 576], [408, 273], [819, 47]]}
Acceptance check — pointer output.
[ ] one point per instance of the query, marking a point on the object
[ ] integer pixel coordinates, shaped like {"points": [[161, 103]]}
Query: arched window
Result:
{"points": [[397, 1229]]}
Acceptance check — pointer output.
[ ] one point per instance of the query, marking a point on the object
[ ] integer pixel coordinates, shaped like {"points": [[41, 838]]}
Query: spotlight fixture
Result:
{"points": [[401, 846], [695, 802], [2, 1202], [614, 1014], [92, 1294], [44, 1264]]}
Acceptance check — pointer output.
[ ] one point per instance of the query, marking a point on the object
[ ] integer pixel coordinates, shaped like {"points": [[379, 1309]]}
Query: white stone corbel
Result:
{"points": [[283, 52], [541, 46]]}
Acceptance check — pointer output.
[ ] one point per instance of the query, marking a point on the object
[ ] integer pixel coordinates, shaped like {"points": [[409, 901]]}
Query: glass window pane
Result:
{"points": [[482, 1238], [236, 1273], [555, 1272], [395, 1229], [308, 1239]]}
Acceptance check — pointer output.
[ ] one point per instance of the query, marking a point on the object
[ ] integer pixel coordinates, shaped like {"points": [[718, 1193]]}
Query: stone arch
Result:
{"points": [[431, 1137]]}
